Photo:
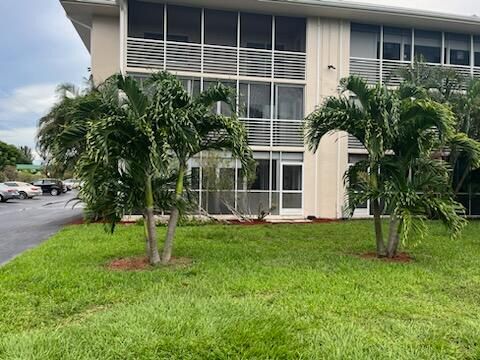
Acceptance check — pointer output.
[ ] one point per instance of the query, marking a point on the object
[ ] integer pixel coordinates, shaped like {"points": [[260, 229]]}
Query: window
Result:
{"points": [[255, 100], [476, 49], [183, 24], [290, 34], [289, 102], [145, 20], [195, 178], [457, 49], [221, 27], [364, 41], [226, 178], [256, 31], [192, 86], [397, 44], [428, 45], [221, 107], [262, 176]]}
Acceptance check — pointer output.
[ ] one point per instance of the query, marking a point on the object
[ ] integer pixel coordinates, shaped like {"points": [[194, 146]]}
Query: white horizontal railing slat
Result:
{"points": [[267, 132], [145, 53], [369, 69], [180, 56]]}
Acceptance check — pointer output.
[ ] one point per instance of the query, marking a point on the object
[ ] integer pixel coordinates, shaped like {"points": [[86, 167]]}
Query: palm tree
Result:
{"points": [[71, 113], [124, 163], [448, 86], [195, 128], [369, 114], [131, 143], [403, 132], [27, 154]]}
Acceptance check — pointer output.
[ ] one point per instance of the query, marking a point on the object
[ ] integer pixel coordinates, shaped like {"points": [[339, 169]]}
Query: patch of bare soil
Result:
{"points": [[83, 222], [402, 258], [265, 222], [129, 264], [248, 223], [141, 263]]}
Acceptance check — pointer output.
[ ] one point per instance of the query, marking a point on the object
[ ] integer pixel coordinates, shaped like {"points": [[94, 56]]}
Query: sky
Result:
{"points": [[40, 49]]}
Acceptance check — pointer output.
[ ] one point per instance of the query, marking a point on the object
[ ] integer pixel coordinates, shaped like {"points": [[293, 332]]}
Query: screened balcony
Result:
{"points": [[186, 39], [378, 52]]}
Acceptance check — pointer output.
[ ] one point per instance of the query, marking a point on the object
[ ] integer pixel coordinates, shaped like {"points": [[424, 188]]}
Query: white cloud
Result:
{"points": [[20, 137], [32, 99]]}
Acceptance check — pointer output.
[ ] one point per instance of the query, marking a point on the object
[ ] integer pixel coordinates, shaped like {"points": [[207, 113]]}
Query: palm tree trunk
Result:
{"points": [[147, 242], [152, 247], [173, 220], [393, 236], [377, 219]]}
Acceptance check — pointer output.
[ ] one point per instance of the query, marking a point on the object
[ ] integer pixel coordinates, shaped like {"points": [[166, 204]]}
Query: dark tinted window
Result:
{"points": [[290, 33], [428, 45], [221, 28], [183, 24], [255, 100], [256, 31], [397, 44], [262, 176], [289, 102], [457, 49], [145, 20], [476, 49], [195, 178]]}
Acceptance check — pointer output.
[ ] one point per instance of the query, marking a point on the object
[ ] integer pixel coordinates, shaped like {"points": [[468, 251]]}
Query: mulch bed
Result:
{"points": [[402, 258], [83, 222], [141, 263], [263, 222]]}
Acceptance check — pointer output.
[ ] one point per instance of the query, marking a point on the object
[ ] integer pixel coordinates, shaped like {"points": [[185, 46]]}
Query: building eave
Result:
{"points": [[376, 10], [81, 13]]}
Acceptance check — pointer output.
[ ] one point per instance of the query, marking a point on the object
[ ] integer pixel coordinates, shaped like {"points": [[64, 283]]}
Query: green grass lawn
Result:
{"points": [[276, 292]]}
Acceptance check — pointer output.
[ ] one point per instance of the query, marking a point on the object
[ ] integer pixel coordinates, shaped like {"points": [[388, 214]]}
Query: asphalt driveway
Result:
{"points": [[26, 223]]}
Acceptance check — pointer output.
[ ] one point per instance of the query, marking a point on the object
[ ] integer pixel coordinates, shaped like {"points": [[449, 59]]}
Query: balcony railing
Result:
{"points": [[354, 143], [389, 71], [266, 132], [211, 59]]}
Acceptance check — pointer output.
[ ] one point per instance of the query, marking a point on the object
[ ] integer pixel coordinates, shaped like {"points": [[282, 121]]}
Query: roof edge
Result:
{"points": [[383, 9]]}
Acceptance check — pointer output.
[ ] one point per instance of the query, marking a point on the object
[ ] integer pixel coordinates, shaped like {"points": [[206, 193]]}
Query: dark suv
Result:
{"points": [[53, 187]]}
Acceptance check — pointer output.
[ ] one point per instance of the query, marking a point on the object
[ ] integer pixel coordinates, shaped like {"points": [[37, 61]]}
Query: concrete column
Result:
{"points": [[328, 52], [105, 47]]}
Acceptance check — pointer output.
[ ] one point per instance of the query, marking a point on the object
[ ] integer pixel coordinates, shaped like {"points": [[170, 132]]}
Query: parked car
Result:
{"points": [[8, 193], [25, 190], [53, 187], [72, 184]]}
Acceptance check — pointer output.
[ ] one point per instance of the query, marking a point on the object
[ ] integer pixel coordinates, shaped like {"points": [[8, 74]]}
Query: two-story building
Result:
{"points": [[283, 57]]}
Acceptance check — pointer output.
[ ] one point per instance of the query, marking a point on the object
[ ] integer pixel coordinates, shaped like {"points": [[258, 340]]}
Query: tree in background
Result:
{"points": [[404, 132], [11, 155], [70, 115], [27, 154]]}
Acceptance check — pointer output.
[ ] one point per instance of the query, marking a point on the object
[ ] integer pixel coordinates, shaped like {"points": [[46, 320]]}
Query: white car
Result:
{"points": [[25, 191], [72, 184], [7, 193]]}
